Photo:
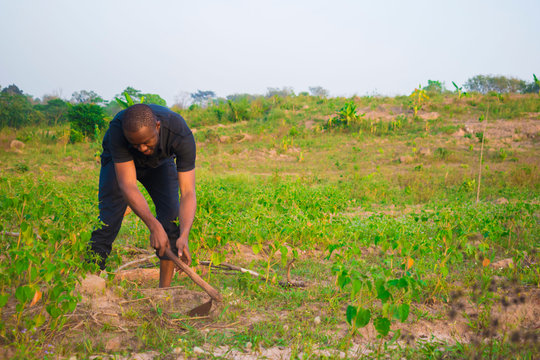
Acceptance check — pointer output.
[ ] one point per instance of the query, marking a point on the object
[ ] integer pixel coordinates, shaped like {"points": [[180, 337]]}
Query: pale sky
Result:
{"points": [[348, 47]]}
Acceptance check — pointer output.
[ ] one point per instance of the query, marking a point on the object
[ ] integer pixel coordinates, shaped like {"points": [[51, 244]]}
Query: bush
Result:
{"points": [[84, 120], [346, 117], [15, 110]]}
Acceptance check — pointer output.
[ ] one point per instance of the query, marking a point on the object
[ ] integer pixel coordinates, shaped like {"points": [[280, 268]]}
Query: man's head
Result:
{"points": [[141, 128]]}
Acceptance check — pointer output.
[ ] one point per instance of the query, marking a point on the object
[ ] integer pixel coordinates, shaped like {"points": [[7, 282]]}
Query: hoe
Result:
{"points": [[203, 309]]}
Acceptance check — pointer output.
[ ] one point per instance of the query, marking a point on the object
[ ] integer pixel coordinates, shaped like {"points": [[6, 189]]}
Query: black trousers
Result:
{"points": [[162, 186]]}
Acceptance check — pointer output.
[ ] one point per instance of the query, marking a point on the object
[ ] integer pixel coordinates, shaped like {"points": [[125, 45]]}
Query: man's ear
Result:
{"points": [[158, 125]]}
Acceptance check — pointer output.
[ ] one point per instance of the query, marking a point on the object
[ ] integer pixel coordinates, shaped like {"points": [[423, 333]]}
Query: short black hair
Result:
{"points": [[138, 116]]}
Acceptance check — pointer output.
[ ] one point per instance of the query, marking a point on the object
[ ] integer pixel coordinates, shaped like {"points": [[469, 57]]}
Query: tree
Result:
{"points": [[86, 97], [154, 99], [318, 91], [86, 120], [203, 97], [15, 108], [55, 111], [283, 92], [500, 84], [434, 87], [12, 89]]}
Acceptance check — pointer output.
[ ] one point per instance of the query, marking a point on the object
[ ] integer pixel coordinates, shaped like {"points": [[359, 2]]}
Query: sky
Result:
{"points": [[172, 48]]}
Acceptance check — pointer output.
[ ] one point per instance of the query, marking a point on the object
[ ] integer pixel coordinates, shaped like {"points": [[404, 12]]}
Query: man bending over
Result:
{"points": [[141, 144]]}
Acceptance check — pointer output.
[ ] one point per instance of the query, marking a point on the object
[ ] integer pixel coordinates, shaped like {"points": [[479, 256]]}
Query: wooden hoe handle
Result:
{"points": [[214, 294]]}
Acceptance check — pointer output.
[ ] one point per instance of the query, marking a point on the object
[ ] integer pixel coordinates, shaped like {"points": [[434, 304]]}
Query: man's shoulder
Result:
{"points": [[171, 120]]}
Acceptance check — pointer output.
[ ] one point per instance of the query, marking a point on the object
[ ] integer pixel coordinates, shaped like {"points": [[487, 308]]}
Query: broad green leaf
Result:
{"points": [[3, 299], [382, 293], [362, 317], [403, 284], [382, 325], [129, 100], [54, 311], [403, 312], [21, 264], [122, 103], [351, 314], [217, 258], [256, 248], [343, 279], [24, 294], [356, 286]]}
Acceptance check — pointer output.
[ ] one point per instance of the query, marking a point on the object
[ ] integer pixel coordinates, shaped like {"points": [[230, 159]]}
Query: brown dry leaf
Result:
{"points": [[486, 262], [37, 297], [410, 263], [127, 212]]}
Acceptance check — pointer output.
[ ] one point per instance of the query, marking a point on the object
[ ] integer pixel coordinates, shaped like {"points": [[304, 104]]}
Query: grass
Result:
{"points": [[313, 190]]}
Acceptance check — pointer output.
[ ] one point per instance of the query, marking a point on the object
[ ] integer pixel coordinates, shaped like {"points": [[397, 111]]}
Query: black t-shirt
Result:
{"points": [[175, 140]]}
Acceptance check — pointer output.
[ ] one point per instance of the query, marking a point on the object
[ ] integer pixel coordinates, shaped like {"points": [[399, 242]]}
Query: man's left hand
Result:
{"points": [[183, 250]]}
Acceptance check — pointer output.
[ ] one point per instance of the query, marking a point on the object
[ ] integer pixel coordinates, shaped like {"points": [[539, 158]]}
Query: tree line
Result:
{"points": [[18, 109]]}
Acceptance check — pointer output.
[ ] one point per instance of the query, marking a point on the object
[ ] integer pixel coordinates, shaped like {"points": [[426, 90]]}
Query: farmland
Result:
{"points": [[407, 229]]}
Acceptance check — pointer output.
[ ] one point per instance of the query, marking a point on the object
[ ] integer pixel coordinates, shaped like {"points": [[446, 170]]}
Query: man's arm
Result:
{"points": [[188, 205], [127, 181]]}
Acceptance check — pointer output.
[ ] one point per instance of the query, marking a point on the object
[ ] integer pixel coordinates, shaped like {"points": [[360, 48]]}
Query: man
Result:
{"points": [[140, 145]]}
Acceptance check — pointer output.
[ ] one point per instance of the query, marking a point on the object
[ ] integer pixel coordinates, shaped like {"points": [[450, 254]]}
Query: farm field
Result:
{"points": [[366, 220]]}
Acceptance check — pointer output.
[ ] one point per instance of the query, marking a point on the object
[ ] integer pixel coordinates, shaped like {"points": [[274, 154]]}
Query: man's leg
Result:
{"points": [[111, 212], [162, 185]]}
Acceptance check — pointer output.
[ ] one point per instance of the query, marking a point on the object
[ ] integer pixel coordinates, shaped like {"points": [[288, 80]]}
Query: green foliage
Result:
{"points": [[131, 96], [238, 110], [398, 238], [85, 119], [15, 110], [418, 98], [533, 87], [346, 117], [44, 261], [55, 111], [434, 87], [459, 90]]}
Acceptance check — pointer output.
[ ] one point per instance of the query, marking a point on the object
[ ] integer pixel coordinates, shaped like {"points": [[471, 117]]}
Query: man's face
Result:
{"points": [[145, 139]]}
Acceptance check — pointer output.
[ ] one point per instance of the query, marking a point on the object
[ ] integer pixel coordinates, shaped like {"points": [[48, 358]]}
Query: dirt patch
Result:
{"points": [[428, 115], [507, 132], [309, 124], [378, 115], [391, 210]]}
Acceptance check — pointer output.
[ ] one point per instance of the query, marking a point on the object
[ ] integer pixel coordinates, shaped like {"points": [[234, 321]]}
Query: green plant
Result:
{"points": [[442, 153], [418, 99], [124, 104], [346, 116], [459, 90]]}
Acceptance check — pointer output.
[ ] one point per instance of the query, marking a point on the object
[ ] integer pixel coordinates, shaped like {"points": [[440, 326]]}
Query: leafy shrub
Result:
{"points": [[84, 120], [239, 110], [346, 116]]}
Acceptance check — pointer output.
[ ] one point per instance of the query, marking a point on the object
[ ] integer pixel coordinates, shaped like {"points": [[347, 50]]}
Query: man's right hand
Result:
{"points": [[159, 240]]}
